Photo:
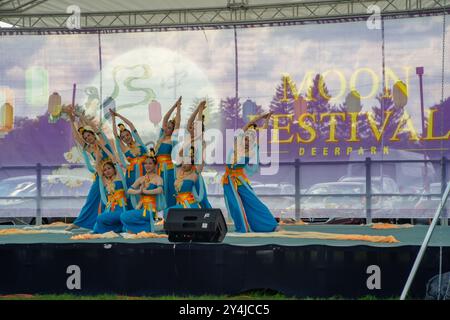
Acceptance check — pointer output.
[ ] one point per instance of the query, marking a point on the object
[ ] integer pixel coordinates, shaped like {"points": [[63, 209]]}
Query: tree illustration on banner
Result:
{"points": [[230, 110], [439, 129], [397, 133], [318, 105], [210, 113], [283, 101], [34, 140]]}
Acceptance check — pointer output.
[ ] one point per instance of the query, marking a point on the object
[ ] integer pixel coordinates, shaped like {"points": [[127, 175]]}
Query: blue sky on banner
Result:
{"points": [[199, 63]]}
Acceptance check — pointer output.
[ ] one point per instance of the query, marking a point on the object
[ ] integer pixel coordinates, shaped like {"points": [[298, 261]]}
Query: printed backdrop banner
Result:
{"points": [[334, 92]]}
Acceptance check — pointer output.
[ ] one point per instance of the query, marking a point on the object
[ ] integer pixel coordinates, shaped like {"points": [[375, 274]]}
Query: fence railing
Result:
{"points": [[297, 165]]}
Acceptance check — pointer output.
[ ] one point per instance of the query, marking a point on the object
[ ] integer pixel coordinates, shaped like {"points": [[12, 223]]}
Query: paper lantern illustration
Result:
{"points": [[300, 107], [36, 86], [54, 105], [6, 95], [248, 109], [353, 101], [154, 112], [400, 94], [7, 117]]}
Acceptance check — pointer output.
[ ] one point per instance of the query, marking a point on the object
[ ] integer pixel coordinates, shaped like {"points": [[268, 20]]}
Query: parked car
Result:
{"points": [[427, 205], [401, 206], [23, 210], [387, 185], [276, 197], [326, 209]]}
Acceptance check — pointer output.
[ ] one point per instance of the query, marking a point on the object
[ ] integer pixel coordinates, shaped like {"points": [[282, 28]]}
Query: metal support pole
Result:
{"points": [[368, 191], [236, 80], [424, 245], [38, 194], [419, 72], [444, 215], [297, 189]]}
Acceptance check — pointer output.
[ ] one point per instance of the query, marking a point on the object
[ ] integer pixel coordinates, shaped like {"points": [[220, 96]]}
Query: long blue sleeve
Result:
{"points": [[102, 191], [87, 161], [119, 151], [138, 139]]}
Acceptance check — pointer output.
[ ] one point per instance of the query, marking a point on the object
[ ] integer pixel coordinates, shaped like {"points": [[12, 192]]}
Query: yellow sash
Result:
{"points": [[135, 161], [164, 159], [182, 197], [117, 198], [146, 201], [234, 173]]}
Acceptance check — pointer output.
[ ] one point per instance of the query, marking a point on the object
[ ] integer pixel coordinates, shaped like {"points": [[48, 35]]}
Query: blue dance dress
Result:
{"points": [[93, 205], [139, 220], [248, 212]]}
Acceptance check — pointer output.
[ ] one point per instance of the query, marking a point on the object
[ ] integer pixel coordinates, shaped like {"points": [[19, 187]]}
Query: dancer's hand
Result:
{"points": [[70, 110], [112, 112], [71, 114], [178, 103], [268, 114]]}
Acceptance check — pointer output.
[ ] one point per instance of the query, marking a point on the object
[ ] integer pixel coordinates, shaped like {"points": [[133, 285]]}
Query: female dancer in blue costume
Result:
{"points": [[130, 148], [113, 194], [150, 189], [91, 145], [248, 212], [164, 148], [187, 196], [196, 132]]}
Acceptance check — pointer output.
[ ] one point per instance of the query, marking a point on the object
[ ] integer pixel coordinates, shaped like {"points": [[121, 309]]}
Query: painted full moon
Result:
{"points": [[141, 75]]}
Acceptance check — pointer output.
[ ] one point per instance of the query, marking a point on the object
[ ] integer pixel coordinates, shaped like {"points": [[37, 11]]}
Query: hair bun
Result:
{"points": [[121, 127]]}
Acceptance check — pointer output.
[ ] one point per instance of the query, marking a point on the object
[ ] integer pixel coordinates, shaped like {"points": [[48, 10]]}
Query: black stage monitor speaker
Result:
{"points": [[195, 225]]}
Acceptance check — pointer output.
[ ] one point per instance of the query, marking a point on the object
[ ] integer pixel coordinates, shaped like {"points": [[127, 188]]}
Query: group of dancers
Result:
{"points": [[132, 183]]}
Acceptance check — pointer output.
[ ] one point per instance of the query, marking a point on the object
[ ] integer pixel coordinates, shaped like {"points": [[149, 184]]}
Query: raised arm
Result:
{"points": [[267, 120], [254, 121], [134, 132], [190, 124], [96, 128], [169, 113], [102, 139], [116, 134], [88, 122], [178, 115], [75, 133], [128, 122]]}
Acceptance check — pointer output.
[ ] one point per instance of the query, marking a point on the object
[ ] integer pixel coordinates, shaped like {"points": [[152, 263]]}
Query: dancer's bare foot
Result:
{"points": [[72, 227]]}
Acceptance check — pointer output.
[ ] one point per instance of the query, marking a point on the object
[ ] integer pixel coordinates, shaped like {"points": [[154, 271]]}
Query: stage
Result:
{"points": [[295, 267]]}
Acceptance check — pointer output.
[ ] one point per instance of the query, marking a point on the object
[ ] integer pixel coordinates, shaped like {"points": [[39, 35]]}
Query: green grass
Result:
{"points": [[120, 297], [249, 296]]}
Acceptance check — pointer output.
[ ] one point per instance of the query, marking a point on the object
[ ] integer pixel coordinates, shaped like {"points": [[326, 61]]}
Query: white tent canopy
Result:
{"points": [[35, 15]]}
